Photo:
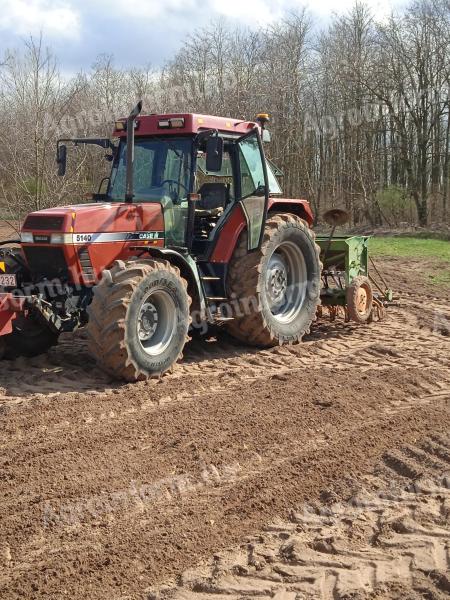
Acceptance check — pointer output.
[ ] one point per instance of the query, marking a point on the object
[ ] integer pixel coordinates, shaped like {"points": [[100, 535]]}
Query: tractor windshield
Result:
{"points": [[162, 170]]}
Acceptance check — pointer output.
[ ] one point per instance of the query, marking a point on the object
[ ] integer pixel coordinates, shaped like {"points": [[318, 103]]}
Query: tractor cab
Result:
{"points": [[198, 168]]}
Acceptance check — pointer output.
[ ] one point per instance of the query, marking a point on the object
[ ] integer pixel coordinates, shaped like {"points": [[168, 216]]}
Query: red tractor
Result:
{"points": [[191, 230]]}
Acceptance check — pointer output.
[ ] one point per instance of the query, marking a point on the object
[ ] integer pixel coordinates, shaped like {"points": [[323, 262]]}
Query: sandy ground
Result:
{"points": [[315, 471]]}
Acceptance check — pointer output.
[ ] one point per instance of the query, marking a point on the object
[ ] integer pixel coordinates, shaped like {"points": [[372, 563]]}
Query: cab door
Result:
{"points": [[252, 185]]}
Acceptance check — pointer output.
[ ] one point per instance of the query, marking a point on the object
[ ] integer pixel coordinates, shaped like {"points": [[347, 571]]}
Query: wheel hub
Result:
{"points": [[157, 322], [286, 281], [277, 281], [361, 300], [148, 321]]}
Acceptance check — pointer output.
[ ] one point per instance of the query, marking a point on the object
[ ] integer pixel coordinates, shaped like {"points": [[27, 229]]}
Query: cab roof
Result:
{"points": [[184, 124]]}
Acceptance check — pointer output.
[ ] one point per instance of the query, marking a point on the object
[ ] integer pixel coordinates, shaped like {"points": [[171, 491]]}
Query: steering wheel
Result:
{"points": [[176, 183]]}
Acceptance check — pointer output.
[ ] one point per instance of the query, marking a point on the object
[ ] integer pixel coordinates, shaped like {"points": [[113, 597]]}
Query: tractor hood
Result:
{"points": [[91, 219]]}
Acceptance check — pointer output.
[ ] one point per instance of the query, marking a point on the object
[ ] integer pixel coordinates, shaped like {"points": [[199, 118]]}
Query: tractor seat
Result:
{"points": [[212, 196]]}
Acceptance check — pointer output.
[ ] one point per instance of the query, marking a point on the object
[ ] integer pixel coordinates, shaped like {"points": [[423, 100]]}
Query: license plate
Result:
{"points": [[7, 280]]}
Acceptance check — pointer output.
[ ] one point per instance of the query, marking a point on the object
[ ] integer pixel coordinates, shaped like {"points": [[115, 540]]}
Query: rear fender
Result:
{"points": [[300, 208], [236, 223]]}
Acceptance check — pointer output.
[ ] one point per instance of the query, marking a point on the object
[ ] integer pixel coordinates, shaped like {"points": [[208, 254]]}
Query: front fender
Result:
{"points": [[188, 269]]}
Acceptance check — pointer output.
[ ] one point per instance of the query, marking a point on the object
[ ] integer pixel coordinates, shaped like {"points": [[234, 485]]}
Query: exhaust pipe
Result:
{"points": [[129, 191]]}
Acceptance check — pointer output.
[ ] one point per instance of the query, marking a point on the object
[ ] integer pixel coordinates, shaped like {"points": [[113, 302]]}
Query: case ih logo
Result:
{"points": [[149, 235]]}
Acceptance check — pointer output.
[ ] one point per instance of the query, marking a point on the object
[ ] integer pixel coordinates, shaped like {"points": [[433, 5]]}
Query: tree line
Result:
{"points": [[359, 109]]}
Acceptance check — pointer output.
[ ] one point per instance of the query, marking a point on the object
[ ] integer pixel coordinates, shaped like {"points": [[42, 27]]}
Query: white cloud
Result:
{"points": [[251, 11], [53, 18], [145, 30], [145, 9]]}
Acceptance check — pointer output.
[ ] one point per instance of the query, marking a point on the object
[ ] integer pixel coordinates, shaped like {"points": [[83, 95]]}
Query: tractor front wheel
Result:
{"points": [[139, 319], [277, 288]]}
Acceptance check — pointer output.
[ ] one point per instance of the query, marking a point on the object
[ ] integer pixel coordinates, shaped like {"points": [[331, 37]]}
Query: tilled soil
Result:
{"points": [[318, 470], [389, 539]]}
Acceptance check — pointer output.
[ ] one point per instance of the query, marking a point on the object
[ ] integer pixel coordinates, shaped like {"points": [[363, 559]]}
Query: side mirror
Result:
{"points": [[61, 159], [214, 153]]}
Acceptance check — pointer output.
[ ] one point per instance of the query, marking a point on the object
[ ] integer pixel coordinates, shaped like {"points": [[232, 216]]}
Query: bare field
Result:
{"points": [[313, 471]]}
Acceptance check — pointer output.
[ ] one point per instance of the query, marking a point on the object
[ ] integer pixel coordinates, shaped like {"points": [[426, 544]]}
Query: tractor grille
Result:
{"points": [[43, 223], [49, 263], [86, 265]]}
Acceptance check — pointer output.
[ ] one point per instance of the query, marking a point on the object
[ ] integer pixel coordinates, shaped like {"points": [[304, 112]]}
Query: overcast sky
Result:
{"points": [[139, 32]]}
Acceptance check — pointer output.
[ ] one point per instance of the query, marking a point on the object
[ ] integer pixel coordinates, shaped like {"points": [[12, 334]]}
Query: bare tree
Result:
{"points": [[32, 102], [360, 109]]}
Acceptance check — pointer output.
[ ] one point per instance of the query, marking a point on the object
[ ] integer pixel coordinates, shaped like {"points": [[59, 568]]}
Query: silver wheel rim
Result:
{"points": [[157, 322], [286, 282]]}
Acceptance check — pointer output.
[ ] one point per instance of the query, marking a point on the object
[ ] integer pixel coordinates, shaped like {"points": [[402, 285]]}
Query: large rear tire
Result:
{"points": [[139, 319], [278, 286]]}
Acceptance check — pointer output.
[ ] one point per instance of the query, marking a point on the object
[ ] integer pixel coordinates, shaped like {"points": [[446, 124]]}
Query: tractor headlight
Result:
{"points": [[173, 123], [26, 237], [57, 238]]}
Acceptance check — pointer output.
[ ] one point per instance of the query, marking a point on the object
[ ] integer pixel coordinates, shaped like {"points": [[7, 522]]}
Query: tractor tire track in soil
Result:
{"points": [[165, 488], [390, 539], [338, 345]]}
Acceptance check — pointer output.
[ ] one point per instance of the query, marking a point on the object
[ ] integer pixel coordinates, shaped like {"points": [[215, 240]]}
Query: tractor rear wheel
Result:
{"points": [[277, 288], [139, 319]]}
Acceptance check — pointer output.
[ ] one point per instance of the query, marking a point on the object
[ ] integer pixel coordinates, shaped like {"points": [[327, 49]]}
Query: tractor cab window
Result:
{"points": [[162, 170], [254, 185], [251, 169], [251, 166], [216, 189], [162, 173], [272, 172]]}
